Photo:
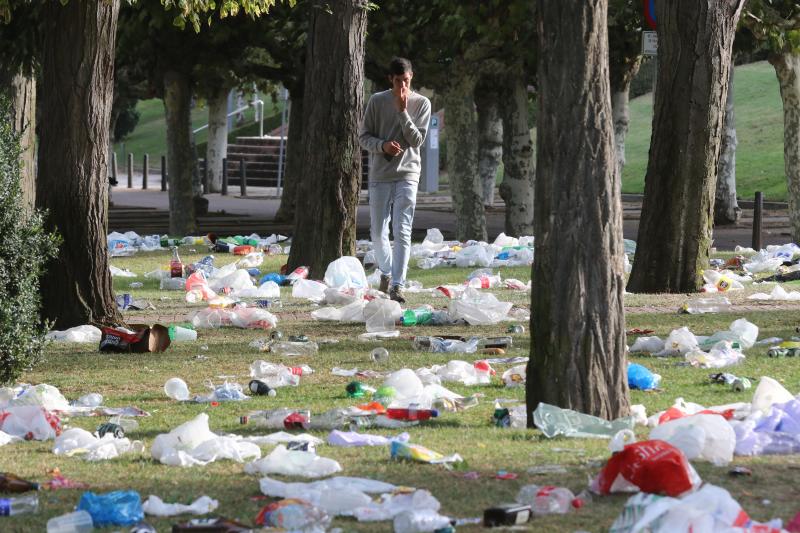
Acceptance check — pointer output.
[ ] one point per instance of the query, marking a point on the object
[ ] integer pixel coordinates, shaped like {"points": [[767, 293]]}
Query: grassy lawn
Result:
{"points": [[138, 380], [759, 128]]}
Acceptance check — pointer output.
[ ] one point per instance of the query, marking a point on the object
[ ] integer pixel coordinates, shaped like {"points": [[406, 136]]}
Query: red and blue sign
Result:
{"points": [[650, 13]]}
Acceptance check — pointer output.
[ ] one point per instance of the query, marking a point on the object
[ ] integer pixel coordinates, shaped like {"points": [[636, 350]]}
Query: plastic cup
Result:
{"points": [[77, 522], [176, 389]]}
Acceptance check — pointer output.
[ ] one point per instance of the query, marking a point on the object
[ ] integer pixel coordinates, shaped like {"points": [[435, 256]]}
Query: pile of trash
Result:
{"points": [[435, 252]]}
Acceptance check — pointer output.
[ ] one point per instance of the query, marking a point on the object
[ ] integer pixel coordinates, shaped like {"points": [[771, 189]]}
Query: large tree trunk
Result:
{"points": [[327, 196], [180, 154], [787, 68], [23, 108], [675, 229], [622, 69], [577, 358], [293, 166], [217, 147], [726, 206], [462, 157], [518, 164], [72, 184], [490, 137]]}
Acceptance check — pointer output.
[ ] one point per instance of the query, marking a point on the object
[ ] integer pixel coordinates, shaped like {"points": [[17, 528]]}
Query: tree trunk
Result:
{"points": [[675, 229], [293, 166], [327, 196], [518, 164], [23, 108], [490, 141], [217, 147], [577, 358], [462, 158], [787, 68], [623, 66], [180, 155], [726, 206], [72, 183]]}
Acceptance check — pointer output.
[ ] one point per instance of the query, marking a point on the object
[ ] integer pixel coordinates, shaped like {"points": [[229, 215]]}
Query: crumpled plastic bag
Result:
{"points": [[346, 273], [778, 294], [309, 290], [293, 514], [29, 422], [647, 345], [157, 507], [87, 333], [121, 273], [419, 520], [768, 393], [515, 376], [722, 281], [382, 315], [293, 463], [242, 317], [700, 436], [117, 508], [251, 260], [353, 312], [192, 443], [392, 505], [349, 439], [711, 509], [336, 495], [679, 342], [267, 290], [477, 255], [465, 373], [479, 308], [237, 281], [722, 354], [415, 452], [740, 330], [652, 466], [77, 441], [777, 432], [41, 395]]}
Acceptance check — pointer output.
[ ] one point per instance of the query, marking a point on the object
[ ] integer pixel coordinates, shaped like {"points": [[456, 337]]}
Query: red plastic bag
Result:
{"points": [[673, 413], [652, 466]]}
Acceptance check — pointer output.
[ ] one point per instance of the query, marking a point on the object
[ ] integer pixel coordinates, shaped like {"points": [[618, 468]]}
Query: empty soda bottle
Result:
{"points": [[175, 264], [21, 505], [419, 316]]}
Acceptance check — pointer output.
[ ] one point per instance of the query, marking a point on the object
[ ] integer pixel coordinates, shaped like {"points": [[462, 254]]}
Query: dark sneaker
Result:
{"points": [[384, 286], [396, 294]]}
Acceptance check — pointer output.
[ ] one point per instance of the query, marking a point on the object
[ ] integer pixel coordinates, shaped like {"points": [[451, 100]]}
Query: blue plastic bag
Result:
{"points": [[118, 508], [280, 279], [641, 378]]}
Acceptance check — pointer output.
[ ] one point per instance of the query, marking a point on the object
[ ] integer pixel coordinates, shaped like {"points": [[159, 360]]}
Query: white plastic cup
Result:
{"points": [[176, 389], [185, 334], [77, 522]]}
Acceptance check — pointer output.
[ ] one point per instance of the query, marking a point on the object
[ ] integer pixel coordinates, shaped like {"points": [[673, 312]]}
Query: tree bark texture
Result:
{"points": [[577, 358], [518, 163], [72, 182], [695, 40], [23, 109], [293, 166], [787, 68], [180, 154], [327, 196], [490, 137], [462, 158], [726, 206], [217, 147]]}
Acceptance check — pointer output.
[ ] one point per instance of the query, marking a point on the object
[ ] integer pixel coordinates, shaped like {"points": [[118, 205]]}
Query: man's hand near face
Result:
{"points": [[400, 98]]}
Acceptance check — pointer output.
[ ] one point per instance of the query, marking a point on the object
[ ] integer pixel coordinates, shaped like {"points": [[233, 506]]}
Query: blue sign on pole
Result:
{"points": [[650, 13]]}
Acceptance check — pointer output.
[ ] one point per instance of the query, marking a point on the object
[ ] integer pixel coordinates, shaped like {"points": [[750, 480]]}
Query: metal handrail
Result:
{"points": [[258, 104]]}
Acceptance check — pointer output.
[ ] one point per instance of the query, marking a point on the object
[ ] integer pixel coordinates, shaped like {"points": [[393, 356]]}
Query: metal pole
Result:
{"points": [[163, 173], [243, 177], [145, 170], [130, 171], [224, 176], [758, 211], [114, 167], [283, 137], [205, 175]]}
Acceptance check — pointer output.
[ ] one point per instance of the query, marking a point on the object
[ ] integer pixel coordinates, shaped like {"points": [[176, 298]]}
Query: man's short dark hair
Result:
{"points": [[399, 66]]}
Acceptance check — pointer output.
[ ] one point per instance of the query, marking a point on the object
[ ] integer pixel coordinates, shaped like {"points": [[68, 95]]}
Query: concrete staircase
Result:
{"points": [[261, 155]]}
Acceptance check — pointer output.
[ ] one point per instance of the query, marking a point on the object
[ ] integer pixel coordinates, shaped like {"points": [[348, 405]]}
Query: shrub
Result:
{"points": [[24, 248]]}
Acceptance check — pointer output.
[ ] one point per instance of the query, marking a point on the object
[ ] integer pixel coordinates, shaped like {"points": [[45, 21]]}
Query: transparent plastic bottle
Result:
{"points": [[282, 418], [20, 505], [712, 304], [419, 316], [547, 499]]}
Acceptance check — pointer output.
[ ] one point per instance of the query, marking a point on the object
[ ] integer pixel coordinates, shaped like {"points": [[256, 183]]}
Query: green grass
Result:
{"points": [[759, 128], [138, 380], [150, 135]]}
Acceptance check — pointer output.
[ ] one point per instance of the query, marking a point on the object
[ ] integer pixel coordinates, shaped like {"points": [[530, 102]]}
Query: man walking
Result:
{"points": [[394, 128]]}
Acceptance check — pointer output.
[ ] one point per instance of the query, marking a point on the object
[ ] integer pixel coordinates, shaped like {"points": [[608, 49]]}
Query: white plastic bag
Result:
{"points": [[309, 289], [769, 392], [346, 272], [382, 315], [679, 342], [353, 312], [251, 260], [479, 308], [477, 255], [700, 436], [293, 463], [87, 333], [237, 281], [253, 318], [647, 345], [157, 507]]}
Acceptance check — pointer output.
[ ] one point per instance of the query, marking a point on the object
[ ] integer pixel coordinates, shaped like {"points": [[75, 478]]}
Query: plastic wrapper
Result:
{"points": [[722, 354], [392, 505], [679, 342], [647, 345], [293, 463], [337, 495], [118, 508], [77, 441], [471, 256], [778, 294], [515, 376], [554, 421], [652, 466], [382, 315], [349, 439], [309, 289], [415, 452], [419, 521], [353, 312], [238, 280], [701, 436], [251, 260], [294, 515]]}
